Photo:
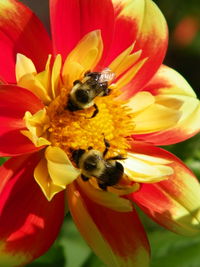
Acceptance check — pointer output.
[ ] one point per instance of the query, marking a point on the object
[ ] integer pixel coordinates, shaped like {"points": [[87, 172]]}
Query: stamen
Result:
{"points": [[74, 130]]}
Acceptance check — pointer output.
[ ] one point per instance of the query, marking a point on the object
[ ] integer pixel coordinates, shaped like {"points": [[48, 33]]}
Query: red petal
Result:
{"points": [[173, 91], [21, 32], [141, 22], [14, 102], [125, 30], [72, 19], [118, 238], [173, 203], [29, 224]]}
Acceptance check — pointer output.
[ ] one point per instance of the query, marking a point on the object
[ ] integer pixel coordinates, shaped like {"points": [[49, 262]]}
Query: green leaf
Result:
{"points": [[54, 257], [169, 249], [93, 261], [75, 249], [2, 160], [194, 165], [187, 149], [189, 152]]}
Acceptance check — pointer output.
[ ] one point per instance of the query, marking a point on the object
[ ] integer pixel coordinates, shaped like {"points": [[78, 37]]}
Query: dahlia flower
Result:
{"points": [[147, 104]]}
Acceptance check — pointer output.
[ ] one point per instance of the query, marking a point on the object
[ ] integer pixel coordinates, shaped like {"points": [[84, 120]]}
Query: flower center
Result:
{"points": [[77, 130]]}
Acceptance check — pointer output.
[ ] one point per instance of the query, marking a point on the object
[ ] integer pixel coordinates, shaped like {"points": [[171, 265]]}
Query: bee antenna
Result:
{"points": [[118, 157], [107, 146], [87, 72]]}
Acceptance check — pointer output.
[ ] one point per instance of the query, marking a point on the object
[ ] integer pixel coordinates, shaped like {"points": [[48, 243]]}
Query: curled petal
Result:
{"points": [[141, 101], [54, 172], [155, 118], [45, 77], [130, 74], [143, 168], [38, 83], [175, 202], [172, 91], [37, 126], [35, 85], [83, 57], [55, 78], [12, 142], [44, 84], [18, 30], [125, 60], [151, 115], [24, 65], [60, 168], [118, 238], [29, 223]]}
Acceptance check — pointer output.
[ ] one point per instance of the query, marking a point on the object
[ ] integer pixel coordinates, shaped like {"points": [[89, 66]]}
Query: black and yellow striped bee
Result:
{"points": [[92, 163], [84, 91]]}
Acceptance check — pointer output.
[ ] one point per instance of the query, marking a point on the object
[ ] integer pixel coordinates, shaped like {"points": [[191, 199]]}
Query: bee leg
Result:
{"points": [[107, 145], [95, 112], [118, 157], [107, 91], [102, 186], [84, 178]]}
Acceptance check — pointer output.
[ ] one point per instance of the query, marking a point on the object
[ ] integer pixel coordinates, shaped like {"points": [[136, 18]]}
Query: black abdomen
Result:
{"points": [[112, 174]]}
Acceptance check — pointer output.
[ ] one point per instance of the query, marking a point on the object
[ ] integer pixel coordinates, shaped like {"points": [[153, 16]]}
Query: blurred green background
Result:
{"points": [[168, 249]]}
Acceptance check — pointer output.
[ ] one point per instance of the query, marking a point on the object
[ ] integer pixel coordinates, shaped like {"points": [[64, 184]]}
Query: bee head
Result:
{"points": [[91, 163]]}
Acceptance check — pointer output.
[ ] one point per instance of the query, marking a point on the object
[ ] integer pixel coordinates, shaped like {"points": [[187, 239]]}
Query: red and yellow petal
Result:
{"points": [[175, 202], [83, 57], [29, 223], [54, 172], [14, 102], [21, 32], [152, 118], [128, 19], [109, 199], [172, 91], [72, 19], [118, 238], [141, 22]]}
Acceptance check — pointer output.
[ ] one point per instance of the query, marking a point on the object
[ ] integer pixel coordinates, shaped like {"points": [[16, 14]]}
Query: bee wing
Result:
{"points": [[106, 76]]}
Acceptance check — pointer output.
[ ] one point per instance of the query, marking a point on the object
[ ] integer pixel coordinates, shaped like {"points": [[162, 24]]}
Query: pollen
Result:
{"points": [[74, 130]]}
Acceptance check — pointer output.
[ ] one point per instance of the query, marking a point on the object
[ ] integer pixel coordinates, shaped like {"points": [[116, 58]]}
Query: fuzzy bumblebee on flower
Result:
{"points": [[81, 115]]}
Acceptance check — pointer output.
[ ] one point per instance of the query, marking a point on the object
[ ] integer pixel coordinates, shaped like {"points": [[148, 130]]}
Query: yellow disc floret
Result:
{"points": [[74, 130]]}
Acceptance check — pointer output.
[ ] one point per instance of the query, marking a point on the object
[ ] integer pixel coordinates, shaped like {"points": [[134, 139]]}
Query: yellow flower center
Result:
{"points": [[74, 130]]}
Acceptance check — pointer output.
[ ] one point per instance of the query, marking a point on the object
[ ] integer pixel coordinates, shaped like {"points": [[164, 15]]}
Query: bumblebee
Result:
{"points": [[84, 91], [92, 163]]}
